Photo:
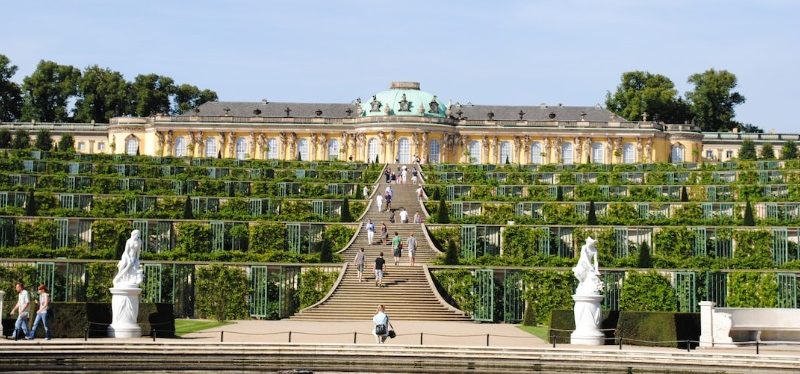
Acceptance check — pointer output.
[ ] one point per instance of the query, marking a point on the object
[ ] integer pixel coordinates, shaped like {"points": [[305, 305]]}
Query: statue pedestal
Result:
{"points": [[125, 308], [587, 320]]}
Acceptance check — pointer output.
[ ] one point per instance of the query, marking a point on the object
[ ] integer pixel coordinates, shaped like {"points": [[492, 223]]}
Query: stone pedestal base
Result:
{"points": [[587, 320], [125, 308]]}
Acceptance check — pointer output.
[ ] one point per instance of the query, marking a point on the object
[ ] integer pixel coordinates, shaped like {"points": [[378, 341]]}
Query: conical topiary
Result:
{"points": [[346, 215], [644, 261], [748, 215], [451, 254], [442, 216], [684, 194], [559, 194], [325, 252], [529, 317], [591, 219], [436, 194], [187, 208], [30, 204]]}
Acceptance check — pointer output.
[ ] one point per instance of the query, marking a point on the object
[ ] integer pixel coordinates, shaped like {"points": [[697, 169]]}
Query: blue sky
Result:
{"points": [[484, 52]]}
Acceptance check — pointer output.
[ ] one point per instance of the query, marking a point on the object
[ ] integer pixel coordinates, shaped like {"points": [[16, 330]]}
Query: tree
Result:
{"points": [[67, 143], [346, 215], [102, 94], [325, 251], [713, 99], [10, 93], [641, 91], [44, 141], [21, 140], [592, 217], [5, 139], [748, 219], [188, 97], [529, 316], [767, 152], [788, 150], [436, 194], [150, 94], [442, 216], [684, 194], [30, 204], [559, 194], [747, 151], [644, 260], [187, 208], [451, 254], [48, 90]]}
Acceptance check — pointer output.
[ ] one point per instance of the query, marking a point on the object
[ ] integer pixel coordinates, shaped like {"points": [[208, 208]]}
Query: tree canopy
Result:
{"points": [[713, 99], [103, 94], [48, 90], [10, 93], [655, 94]]}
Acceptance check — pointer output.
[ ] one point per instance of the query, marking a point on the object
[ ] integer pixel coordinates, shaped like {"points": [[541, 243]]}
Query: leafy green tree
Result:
{"points": [[44, 141], [48, 90], [5, 139], [789, 150], [767, 152], [10, 93], [346, 215], [747, 151], [222, 292], [641, 91], [748, 219], [102, 94], [644, 260], [442, 215], [21, 140], [451, 254], [188, 97], [67, 143], [713, 99], [592, 216], [150, 94]]}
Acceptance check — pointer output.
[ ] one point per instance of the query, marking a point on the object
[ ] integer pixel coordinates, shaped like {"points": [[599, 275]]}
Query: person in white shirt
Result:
{"points": [[382, 325], [404, 175], [420, 193], [366, 192], [23, 300], [379, 202], [403, 216], [370, 231]]}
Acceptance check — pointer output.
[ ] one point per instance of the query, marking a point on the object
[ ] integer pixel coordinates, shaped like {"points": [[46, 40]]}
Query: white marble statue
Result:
{"points": [[129, 271], [587, 270]]}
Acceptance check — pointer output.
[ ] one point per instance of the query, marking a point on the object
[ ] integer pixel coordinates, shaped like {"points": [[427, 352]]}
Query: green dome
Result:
{"points": [[403, 99]]}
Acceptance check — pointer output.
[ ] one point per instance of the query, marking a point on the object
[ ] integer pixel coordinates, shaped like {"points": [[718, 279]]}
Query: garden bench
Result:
{"points": [[732, 325]]}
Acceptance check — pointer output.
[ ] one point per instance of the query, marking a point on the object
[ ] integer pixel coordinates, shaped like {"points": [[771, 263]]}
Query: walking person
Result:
{"points": [[411, 243], [370, 231], [382, 325], [380, 267], [421, 193], [397, 248], [386, 174], [404, 176], [42, 314], [403, 215], [359, 261], [417, 217], [384, 234], [388, 199], [365, 191], [21, 307], [379, 202], [391, 216]]}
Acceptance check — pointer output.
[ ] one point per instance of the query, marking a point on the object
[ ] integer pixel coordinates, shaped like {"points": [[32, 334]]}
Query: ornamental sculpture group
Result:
{"points": [[587, 297], [126, 291]]}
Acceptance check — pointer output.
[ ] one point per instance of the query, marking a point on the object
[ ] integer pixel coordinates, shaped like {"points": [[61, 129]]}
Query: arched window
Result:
{"points": [[333, 150], [475, 152], [536, 153], [598, 153], [433, 156], [302, 148], [180, 146], [241, 148], [272, 149], [506, 155], [566, 153], [628, 153], [132, 146], [211, 147], [677, 153], [404, 151], [372, 150]]}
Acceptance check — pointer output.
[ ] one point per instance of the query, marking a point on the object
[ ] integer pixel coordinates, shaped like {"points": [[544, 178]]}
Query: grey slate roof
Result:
{"points": [[469, 111]]}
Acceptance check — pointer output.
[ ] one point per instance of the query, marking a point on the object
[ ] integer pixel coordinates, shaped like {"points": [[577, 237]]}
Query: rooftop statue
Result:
{"points": [[405, 105], [129, 272], [375, 104]]}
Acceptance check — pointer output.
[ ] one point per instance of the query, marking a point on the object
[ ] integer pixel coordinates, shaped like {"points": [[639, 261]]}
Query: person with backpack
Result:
{"points": [[382, 325], [42, 314], [384, 234], [397, 248], [21, 307]]}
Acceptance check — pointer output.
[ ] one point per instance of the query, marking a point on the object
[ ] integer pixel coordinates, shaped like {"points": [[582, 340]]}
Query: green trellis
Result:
{"points": [[685, 283], [513, 300], [484, 295]]}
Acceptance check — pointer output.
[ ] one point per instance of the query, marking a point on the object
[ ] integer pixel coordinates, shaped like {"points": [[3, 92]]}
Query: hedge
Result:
{"points": [[636, 328]]}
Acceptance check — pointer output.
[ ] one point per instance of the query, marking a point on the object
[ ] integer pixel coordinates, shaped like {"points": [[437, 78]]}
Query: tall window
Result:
{"points": [[272, 149], [505, 153], [180, 146], [566, 153], [677, 153], [211, 147], [628, 153], [475, 152], [132, 146], [433, 156], [404, 151], [536, 153], [241, 148], [372, 150], [302, 148], [333, 150], [598, 153]]}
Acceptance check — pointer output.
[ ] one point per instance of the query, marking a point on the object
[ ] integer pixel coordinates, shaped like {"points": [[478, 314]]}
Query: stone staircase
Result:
{"points": [[407, 294]]}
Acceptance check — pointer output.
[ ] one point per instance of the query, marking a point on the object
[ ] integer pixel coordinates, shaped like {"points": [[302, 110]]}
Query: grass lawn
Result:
{"points": [[186, 326], [538, 331]]}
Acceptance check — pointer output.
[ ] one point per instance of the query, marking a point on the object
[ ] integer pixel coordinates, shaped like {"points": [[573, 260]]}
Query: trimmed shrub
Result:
{"points": [[546, 291], [528, 317], [647, 292], [193, 238], [451, 254], [346, 215], [644, 260], [442, 215], [752, 290], [748, 219], [221, 292], [267, 236], [673, 329], [314, 285], [591, 219], [564, 319], [187, 209]]}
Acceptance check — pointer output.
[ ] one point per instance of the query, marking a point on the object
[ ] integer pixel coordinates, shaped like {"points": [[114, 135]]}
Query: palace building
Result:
{"points": [[401, 123]]}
